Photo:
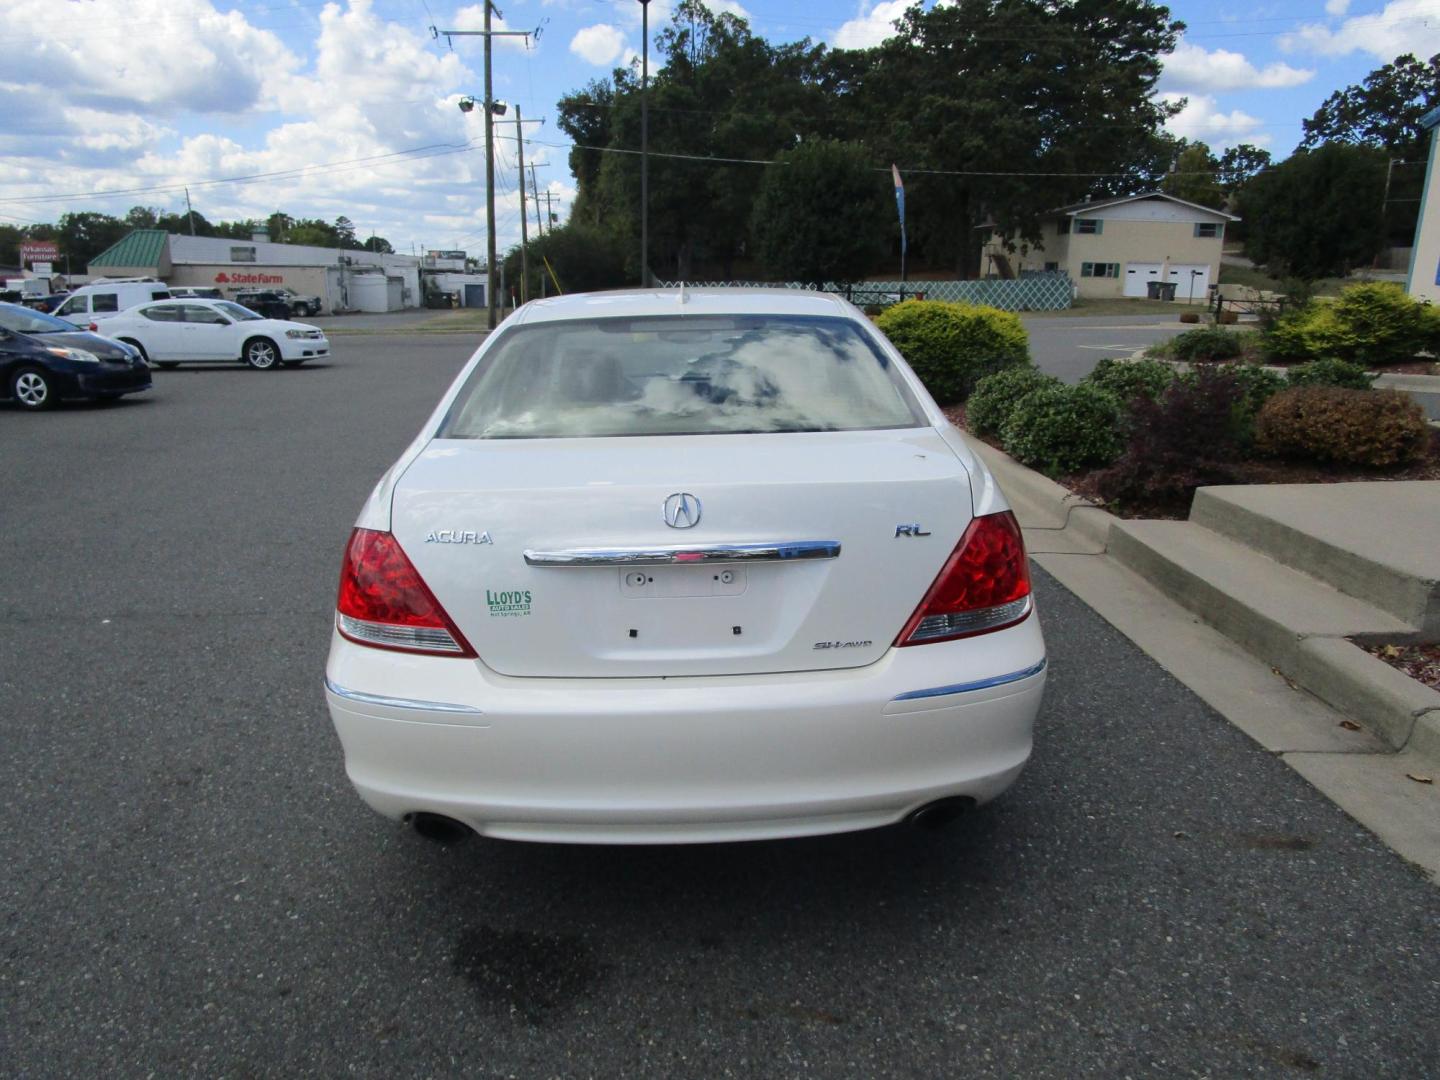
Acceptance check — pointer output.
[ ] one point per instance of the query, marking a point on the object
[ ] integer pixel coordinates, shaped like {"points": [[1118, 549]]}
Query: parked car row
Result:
{"points": [[45, 359], [99, 300]]}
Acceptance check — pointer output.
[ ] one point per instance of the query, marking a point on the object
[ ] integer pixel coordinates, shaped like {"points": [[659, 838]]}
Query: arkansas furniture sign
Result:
{"points": [[39, 251]]}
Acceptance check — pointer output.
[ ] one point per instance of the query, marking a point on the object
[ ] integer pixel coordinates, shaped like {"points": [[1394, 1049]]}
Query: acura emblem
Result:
{"points": [[682, 510]]}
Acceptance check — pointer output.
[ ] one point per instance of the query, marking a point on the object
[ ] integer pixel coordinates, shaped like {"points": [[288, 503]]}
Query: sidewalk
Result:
{"points": [[1251, 604]]}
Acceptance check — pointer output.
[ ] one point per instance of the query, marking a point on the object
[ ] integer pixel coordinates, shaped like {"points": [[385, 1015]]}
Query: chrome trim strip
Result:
{"points": [[787, 551], [980, 684], [398, 703]]}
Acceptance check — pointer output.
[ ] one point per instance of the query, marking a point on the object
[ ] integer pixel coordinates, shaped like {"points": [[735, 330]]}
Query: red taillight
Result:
{"points": [[384, 602], [983, 586]]}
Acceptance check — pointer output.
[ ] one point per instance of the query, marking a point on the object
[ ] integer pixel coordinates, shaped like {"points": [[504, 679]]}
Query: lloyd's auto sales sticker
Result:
{"points": [[510, 604]]}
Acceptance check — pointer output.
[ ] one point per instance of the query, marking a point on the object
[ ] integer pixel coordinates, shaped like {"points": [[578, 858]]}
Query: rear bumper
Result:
{"points": [[686, 760]]}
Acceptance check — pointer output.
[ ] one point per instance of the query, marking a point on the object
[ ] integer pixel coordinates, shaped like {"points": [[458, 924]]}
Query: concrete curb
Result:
{"points": [[1042, 505], [1404, 712]]}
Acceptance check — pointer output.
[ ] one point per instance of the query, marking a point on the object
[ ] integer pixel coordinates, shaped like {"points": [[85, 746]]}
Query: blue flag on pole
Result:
{"points": [[899, 204]]}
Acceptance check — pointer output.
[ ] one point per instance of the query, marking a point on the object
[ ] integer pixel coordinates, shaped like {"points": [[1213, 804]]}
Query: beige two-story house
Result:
{"points": [[1116, 247]]}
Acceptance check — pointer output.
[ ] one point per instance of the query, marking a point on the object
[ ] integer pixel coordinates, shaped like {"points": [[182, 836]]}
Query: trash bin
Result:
{"points": [[1152, 289]]}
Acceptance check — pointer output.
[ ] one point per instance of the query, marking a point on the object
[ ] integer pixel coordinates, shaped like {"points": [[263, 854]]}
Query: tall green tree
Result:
{"points": [[822, 214], [1016, 106], [1239, 165], [1195, 177], [718, 91], [85, 234], [1316, 214], [1382, 111], [583, 256]]}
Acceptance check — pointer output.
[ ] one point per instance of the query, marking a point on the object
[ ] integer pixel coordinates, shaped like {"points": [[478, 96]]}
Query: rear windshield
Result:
{"points": [[680, 375]]}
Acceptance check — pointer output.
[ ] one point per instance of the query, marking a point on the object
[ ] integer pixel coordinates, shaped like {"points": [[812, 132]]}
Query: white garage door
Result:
{"points": [[1138, 275], [1190, 281]]}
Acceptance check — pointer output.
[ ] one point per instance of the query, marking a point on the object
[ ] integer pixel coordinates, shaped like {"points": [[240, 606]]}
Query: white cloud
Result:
{"points": [[727, 7], [155, 56], [1336, 7], [871, 27], [1402, 26], [1191, 67], [1202, 120], [601, 44]]}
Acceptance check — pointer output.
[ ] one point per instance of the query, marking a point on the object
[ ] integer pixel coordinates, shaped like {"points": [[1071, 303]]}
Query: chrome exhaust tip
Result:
{"points": [[438, 827], [941, 812]]}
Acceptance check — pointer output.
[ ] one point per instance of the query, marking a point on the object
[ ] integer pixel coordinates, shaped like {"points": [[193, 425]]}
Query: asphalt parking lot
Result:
{"points": [[191, 888], [1070, 346]]}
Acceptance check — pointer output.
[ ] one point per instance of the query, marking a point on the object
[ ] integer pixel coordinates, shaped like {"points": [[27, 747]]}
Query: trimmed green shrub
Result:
{"points": [[1206, 345], [954, 346], [1328, 371], [1370, 323], [995, 396], [1126, 380], [1179, 442], [1258, 384], [1379, 428], [1062, 429]]}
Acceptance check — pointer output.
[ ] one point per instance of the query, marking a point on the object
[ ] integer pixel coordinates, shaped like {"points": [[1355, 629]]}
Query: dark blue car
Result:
{"points": [[44, 360]]}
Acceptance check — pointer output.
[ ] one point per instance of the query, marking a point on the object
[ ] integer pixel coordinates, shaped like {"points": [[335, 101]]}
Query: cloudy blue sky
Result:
{"points": [[349, 106]]}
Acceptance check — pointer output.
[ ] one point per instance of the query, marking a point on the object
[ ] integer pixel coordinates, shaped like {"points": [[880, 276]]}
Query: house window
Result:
{"points": [[1089, 226], [242, 254], [1051, 267], [1094, 269], [1207, 230]]}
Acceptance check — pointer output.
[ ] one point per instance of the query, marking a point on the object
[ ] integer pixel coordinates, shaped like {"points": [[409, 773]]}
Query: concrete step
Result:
{"points": [[1263, 605], [1376, 542]]}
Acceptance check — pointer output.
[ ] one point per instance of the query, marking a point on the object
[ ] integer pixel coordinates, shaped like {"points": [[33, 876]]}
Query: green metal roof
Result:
{"points": [[143, 247]]}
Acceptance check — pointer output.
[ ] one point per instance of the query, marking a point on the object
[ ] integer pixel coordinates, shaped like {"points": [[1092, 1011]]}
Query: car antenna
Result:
{"points": [[683, 296]]}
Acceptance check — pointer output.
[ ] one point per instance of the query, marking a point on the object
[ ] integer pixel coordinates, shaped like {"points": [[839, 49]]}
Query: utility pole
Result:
{"points": [[489, 181], [644, 144], [524, 237], [190, 210], [535, 190], [1385, 213], [549, 215], [467, 104]]}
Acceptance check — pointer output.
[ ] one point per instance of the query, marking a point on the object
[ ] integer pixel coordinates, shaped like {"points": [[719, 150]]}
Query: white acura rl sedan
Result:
{"points": [[684, 566]]}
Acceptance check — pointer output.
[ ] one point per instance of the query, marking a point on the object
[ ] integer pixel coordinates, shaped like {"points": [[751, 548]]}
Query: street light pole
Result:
{"points": [[489, 184], [645, 144], [524, 232], [467, 104]]}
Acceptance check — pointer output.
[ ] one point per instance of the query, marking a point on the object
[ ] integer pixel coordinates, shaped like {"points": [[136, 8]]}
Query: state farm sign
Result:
{"points": [[223, 278], [39, 251]]}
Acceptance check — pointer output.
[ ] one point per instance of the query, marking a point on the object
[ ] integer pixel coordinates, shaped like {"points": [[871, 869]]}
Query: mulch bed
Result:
{"points": [[1420, 662]]}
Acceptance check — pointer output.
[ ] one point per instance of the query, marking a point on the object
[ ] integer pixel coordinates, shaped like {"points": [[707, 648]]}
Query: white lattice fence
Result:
{"points": [[1041, 292]]}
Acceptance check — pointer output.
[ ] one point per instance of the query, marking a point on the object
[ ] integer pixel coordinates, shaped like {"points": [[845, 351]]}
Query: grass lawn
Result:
{"points": [[1119, 306], [1256, 278]]}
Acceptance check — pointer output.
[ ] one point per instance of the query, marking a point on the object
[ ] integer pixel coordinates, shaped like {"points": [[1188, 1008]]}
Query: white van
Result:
{"points": [[99, 300]]}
